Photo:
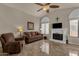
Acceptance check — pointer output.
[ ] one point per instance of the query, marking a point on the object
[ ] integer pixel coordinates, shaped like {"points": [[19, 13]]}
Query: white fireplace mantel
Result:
{"points": [[59, 31]]}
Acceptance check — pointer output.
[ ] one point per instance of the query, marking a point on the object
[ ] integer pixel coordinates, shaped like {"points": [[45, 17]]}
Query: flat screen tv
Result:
{"points": [[57, 25]]}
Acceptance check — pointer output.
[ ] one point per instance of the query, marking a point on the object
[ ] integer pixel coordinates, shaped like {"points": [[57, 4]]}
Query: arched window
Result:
{"points": [[45, 25], [74, 23]]}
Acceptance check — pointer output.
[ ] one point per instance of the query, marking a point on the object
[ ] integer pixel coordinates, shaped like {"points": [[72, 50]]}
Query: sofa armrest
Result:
{"points": [[42, 34], [26, 36]]}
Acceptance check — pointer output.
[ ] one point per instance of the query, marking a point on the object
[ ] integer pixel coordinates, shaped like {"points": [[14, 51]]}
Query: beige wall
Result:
{"points": [[11, 18]]}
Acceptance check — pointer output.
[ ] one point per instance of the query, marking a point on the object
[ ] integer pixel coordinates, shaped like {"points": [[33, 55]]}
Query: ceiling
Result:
{"points": [[31, 8]]}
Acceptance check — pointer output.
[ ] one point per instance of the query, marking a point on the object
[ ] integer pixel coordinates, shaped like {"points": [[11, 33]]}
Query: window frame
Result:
{"points": [[77, 32], [43, 21]]}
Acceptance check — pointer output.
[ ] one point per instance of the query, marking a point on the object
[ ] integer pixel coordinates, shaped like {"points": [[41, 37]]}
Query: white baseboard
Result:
{"points": [[58, 41], [73, 43]]}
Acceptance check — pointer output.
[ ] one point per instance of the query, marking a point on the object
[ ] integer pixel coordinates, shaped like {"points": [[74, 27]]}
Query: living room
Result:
{"points": [[55, 26]]}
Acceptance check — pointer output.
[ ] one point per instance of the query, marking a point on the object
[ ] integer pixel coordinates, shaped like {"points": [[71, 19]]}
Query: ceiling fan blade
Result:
{"points": [[47, 3], [54, 6], [47, 11], [39, 4], [39, 10]]}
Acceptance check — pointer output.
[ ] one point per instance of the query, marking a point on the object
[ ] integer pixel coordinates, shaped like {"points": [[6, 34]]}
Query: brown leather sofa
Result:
{"points": [[32, 36], [9, 44]]}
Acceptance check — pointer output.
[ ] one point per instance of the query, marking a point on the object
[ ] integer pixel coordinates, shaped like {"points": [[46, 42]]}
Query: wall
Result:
{"points": [[11, 18], [64, 18]]}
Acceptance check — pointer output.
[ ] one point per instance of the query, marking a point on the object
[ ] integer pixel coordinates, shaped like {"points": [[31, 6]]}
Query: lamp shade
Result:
{"points": [[20, 29]]}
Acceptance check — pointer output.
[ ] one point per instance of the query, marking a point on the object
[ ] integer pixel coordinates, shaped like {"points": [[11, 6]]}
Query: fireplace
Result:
{"points": [[57, 36]]}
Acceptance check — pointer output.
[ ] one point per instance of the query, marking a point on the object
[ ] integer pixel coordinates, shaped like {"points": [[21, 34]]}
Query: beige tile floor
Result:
{"points": [[47, 48]]}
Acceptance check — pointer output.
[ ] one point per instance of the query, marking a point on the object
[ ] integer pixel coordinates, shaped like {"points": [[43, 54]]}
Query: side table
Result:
{"points": [[20, 39]]}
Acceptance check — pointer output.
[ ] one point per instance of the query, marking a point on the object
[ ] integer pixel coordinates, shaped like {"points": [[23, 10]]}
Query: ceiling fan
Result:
{"points": [[46, 6]]}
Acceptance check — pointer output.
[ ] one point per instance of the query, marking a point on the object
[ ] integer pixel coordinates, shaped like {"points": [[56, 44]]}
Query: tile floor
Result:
{"points": [[47, 48]]}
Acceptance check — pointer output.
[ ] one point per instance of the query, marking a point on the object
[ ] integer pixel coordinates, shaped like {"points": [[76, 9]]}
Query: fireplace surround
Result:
{"points": [[57, 36]]}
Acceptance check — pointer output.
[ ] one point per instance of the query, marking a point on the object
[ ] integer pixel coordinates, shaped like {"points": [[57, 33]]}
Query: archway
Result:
{"points": [[74, 27]]}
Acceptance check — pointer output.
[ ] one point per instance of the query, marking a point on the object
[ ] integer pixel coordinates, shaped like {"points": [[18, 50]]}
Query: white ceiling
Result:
{"points": [[32, 8]]}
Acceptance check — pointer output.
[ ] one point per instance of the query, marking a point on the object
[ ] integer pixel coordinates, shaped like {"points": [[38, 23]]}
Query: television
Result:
{"points": [[57, 25]]}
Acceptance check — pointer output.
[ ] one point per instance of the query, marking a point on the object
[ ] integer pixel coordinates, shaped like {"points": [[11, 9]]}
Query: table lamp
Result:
{"points": [[20, 29]]}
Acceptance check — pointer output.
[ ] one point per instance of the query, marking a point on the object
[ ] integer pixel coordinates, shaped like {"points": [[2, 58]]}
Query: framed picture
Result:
{"points": [[30, 25]]}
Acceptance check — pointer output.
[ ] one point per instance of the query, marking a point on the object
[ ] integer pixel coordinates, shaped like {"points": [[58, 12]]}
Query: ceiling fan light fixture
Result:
{"points": [[45, 8]]}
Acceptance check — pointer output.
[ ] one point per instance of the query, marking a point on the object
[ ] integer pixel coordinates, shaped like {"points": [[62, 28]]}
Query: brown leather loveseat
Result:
{"points": [[32, 36]]}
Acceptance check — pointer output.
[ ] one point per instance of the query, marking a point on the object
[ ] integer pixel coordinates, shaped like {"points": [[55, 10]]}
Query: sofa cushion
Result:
{"points": [[33, 33], [28, 34]]}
